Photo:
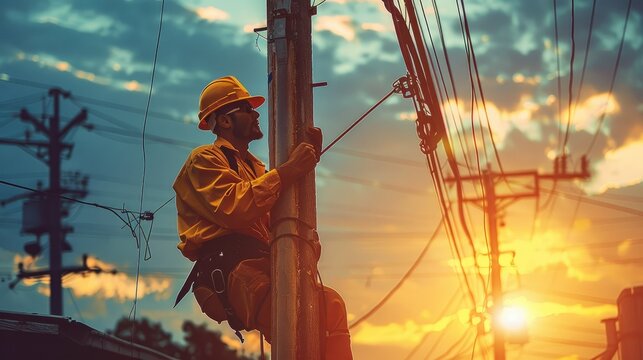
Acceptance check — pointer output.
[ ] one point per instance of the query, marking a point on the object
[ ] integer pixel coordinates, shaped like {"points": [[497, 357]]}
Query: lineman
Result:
{"points": [[223, 199]]}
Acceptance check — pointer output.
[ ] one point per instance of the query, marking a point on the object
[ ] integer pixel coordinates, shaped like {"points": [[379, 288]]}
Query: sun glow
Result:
{"points": [[513, 318]]}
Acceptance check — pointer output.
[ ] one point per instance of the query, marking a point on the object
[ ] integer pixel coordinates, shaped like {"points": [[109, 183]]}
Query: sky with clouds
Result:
{"points": [[564, 259]]}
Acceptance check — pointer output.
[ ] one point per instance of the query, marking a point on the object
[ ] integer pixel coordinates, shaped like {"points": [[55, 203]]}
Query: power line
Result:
{"points": [[377, 157], [402, 280], [449, 351], [356, 122], [575, 343], [150, 137], [556, 50], [571, 80], [11, 79], [587, 48], [148, 254], [614, 72], [100, 102], [603, 204], [426, 336], [110, 208], [572, 296]]}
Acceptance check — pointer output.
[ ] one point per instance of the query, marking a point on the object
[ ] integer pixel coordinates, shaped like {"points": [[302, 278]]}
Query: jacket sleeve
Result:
{"points": [[234, 202]]}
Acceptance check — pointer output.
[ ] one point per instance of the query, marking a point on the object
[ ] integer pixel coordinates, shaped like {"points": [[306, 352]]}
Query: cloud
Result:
{"points": [[376, 27], [87, 21], [28, 262], [211, 14], [586, 116], [502, 120], [407, 334], [52, 62], [624, 247], [619, 168], [545, 250], [104, 285], [339, 25], [547, 308], [404, 334]]}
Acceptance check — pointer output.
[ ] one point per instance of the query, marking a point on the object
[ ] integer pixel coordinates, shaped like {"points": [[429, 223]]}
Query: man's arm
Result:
{"points": [[235, 203], [230, 201]]}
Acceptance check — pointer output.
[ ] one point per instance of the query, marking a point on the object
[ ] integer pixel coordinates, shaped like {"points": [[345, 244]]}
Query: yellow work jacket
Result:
{"points": [[212, 200]]}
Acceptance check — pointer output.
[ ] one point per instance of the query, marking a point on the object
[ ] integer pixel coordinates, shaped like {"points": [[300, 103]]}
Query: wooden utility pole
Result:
{"points": [[492, 203], [51, 152], [630, 323], [295, 315]]}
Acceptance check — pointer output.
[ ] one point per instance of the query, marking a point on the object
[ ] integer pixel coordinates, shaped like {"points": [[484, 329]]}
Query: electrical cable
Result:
{"points": [[580, 89], [450, 156], [150, 137], [440, 316], [604, 204], [450, 72], [449, 227], [587, 48], [573, 296], [109, 208], [21, 101], [356, 122], [11, 79], [575, 343], [148, 254], [479, 82], [556, 50], [571, 81], [408, 273], [447, 353], [600, 203], [614, 72], [377, 157], [430, 128], [73, 300]]}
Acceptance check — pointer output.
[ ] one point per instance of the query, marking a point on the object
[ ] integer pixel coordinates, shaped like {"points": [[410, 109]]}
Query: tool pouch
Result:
{"points": [[249, 293]]}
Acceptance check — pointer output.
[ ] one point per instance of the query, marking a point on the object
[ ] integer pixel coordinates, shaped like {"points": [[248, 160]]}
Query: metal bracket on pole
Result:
{"points": [[404, 87]]}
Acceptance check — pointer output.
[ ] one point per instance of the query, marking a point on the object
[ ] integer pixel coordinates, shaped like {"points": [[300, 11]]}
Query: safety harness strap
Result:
{"points": [[229, 155], [220, 259]]}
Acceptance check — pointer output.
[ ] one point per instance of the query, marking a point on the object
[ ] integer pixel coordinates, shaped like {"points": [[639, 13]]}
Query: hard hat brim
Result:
{"points": [[255, 102]]}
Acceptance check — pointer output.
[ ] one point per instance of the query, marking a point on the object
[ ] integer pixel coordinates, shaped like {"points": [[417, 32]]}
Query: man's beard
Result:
{"points": [[249, 132]]}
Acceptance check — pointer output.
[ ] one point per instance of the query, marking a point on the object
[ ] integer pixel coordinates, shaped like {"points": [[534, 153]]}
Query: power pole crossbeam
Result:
{"points": [[53, 149], [492, 203]]}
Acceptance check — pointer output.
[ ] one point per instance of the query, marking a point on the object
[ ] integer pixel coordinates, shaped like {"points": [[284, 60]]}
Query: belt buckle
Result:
{"points": [[219, 286]]}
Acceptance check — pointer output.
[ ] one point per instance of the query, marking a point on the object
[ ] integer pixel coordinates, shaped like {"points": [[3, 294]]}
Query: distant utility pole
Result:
{"points": [[492, 203], [44, 213], [295, 313]]}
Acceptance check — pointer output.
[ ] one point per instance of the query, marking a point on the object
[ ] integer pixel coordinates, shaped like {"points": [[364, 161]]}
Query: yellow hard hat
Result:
{"points": [[221, 92]]}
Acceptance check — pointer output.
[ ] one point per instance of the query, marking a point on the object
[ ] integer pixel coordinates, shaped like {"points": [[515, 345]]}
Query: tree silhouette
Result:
{"points": [[148, 334], [200, 343]]}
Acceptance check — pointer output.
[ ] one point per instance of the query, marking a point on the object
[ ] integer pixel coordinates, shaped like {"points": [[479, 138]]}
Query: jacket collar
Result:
{"points": [[221, 142]]}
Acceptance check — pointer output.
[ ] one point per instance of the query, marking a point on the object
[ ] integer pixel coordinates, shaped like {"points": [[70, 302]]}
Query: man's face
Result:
{"points": [[245, 123]]}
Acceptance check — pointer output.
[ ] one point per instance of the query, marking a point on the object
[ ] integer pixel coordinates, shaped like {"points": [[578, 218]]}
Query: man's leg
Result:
{"points": [[337, 338]]}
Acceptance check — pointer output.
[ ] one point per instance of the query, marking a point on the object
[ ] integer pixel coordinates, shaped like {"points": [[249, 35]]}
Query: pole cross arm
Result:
{"points": [[11, 199], [77, 120], [26, 116], [84, 268], [27, 143]]}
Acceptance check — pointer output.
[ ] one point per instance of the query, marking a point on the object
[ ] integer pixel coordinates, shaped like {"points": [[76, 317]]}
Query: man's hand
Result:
{"points": [[301, 161], [315, 137]]}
